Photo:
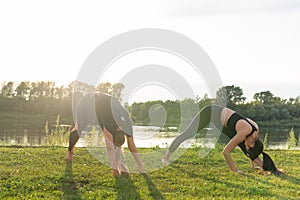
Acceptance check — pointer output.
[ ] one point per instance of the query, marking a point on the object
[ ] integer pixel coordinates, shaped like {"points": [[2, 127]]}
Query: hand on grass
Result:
{"points": [[239, 171], [278, 172], [142, 171], [252, 164]]}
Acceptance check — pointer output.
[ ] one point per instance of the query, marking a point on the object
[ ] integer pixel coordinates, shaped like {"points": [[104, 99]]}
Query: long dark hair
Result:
{"points": [[268, 164], [254, 152]]}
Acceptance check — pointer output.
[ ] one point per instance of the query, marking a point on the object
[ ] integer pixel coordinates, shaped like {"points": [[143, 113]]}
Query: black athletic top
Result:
{"points": [[104, 109], [230, 131], [111, 114]]}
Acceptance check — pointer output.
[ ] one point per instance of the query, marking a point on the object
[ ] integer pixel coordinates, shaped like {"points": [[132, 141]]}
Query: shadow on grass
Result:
{"points": [[251, 189], [289, 178], [154, 192], [179, 167], [68, 184], [125, 188]]}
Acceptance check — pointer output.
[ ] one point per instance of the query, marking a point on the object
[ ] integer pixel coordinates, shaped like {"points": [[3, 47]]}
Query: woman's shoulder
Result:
{"points": [[253, 122]]}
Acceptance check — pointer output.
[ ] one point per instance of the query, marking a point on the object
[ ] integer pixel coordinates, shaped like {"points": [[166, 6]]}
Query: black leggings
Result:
{"points": [[74, 137], [201, 120], [85, 115]]}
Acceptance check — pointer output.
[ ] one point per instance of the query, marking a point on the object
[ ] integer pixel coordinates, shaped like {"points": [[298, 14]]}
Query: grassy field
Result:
{"points": [[43, 173]]}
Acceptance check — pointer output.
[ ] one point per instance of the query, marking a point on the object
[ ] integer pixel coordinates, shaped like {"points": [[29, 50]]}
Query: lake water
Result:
{"points": [[147, 137]]}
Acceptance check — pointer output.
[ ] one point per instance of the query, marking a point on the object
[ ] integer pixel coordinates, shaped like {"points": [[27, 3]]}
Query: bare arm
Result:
{"points": [[251, 163], [238, 138], [228, 149], [258, 161], [134, 152]]}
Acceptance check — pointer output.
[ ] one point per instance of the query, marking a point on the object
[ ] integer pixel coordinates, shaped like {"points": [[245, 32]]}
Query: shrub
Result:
{"points": [[292, 139]]}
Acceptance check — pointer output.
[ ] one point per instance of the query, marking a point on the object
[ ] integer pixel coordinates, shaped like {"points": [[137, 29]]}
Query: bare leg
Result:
{"points": [[74, 137], [122, 166], [200, 121], [166, 157], [111, 152], [189, 132]]}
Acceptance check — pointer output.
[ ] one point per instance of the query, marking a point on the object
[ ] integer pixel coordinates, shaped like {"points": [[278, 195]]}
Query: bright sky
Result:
{"points": [[254, 44]]}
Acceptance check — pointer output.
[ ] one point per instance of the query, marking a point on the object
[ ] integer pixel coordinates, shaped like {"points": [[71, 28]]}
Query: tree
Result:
{"points": [[114, 90], [285, 114], [60, 93], [264, 97], [22, 91], [203, 101], [105, 88], [117, 90], [33, 89], [233, 95], [8, 90], [297, 100], [274, 113], [261, 113]]}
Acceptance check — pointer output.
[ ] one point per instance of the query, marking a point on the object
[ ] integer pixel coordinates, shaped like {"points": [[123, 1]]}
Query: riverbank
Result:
{"points": [[42, 172]]}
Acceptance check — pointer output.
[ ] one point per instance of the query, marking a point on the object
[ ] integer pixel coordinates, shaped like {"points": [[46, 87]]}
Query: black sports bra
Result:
{"points": [[234, 118]]}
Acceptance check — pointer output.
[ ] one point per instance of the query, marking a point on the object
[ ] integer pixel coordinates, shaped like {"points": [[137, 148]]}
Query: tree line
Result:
{"points": [[45, 99], [266, 108], [29, 105]]}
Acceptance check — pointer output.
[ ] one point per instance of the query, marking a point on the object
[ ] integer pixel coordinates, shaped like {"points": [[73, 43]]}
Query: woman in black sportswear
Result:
{"points": [[115, 124], [243, 132]]}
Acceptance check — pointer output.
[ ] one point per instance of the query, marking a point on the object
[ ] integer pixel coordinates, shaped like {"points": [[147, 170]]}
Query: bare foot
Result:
{"points": [[116, 173], [166, 158], [125, 173], [123, 167], [165, 161]]}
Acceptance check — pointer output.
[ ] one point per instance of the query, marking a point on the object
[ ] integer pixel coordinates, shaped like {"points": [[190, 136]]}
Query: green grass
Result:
{"points": [[37, 173]]}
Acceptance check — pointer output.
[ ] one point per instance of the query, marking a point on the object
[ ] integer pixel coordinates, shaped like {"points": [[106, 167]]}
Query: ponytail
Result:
{"points": [[269, 165]]}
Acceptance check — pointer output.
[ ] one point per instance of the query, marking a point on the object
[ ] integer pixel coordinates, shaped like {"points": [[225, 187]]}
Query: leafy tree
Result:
{"points": [[274, 113], [233, 95], [8, 90], [114, 90], [105, 88], [260, 113], [22, 90], [117, 90], [264, 97], [297, 100], [285, 114], [248, 110], [203, 101]]}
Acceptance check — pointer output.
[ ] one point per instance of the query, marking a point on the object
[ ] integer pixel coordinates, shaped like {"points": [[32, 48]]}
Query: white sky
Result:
{"points": [[254, 44]]}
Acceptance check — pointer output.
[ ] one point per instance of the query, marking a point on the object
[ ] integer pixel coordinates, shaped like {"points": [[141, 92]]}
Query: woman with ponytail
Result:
{"points": [[267, 163], [242, 132]]}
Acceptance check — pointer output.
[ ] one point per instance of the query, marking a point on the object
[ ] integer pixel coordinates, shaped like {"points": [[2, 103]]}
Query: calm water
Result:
{"points": [[148, 136]]}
